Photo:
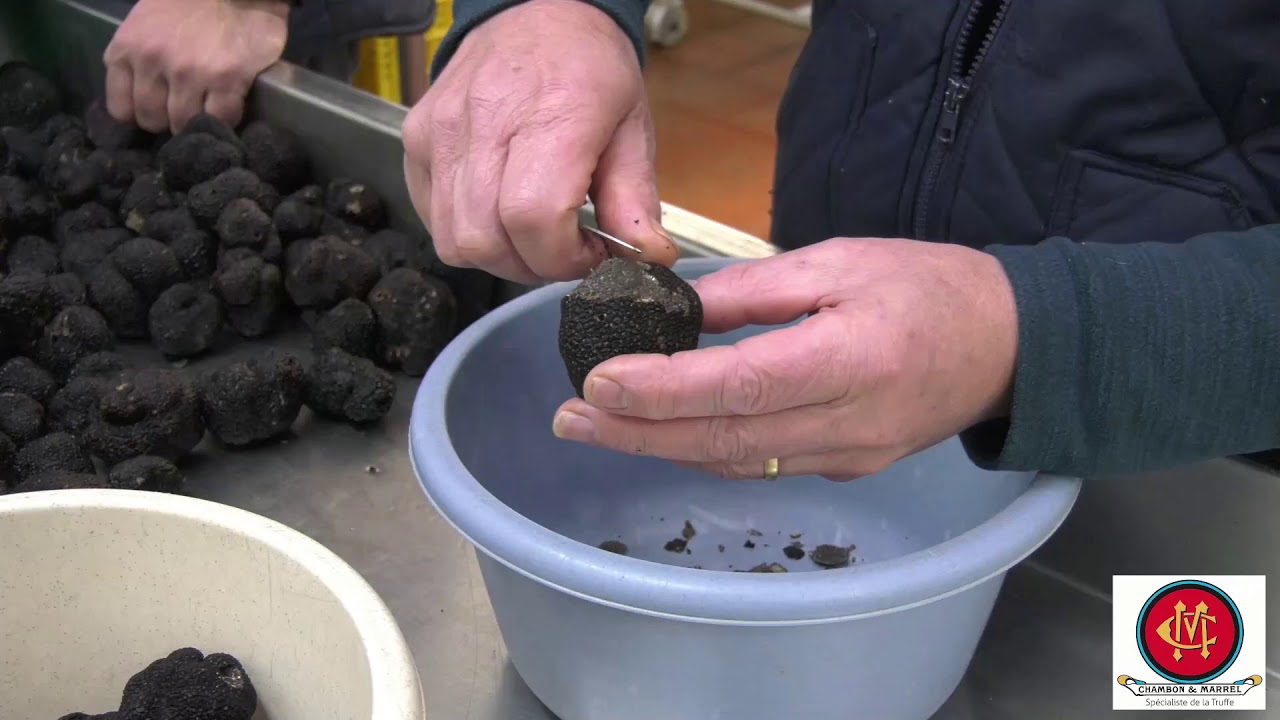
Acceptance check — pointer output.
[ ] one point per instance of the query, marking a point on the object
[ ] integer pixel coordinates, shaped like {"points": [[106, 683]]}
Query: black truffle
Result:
{"points": [[23, 153], [343, 230], [252, 293], [75, 333], [26, 304], [89, 216], [23, 375], [121, 304], [56, 125], [68, 290], [146, 472], [188, 685], [243, 224], [188, 159], [107, 133], [355, 203], [196, 252], [349, 325], [324, 271], [7, 452], [58, 480], [145, 411], [55, 452], [149, 266], [69, 173], [148, 194], [626, 307], [27, 96], [416, 316], [23, 417], [100, 365], [472, 289], [206, 200], [345, 387], [33, 254], [84, 252], [184, 321], [276, 155], [167, 225], [393, 249], [213, 125], [25, 209], [116, 171], [251, 401], [72, 407], [300, 215]]}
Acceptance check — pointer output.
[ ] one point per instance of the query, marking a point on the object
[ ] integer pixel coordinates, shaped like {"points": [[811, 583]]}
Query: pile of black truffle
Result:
{"points": [[186, 685], [110, 236]]}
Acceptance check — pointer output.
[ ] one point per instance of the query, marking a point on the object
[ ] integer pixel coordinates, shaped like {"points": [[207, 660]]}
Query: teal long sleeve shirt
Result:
{"points": [[1131, 357]]}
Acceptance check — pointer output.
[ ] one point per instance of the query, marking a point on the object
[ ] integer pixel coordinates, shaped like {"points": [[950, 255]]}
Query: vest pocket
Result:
{"points": [[1105, 199]]}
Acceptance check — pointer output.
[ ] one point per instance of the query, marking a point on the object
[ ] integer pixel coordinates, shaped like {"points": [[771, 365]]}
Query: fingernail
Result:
{"points": [[572, 426], [605, 393]]}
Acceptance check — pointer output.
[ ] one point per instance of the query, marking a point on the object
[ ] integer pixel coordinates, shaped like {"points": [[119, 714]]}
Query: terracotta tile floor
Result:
{"points": [[714, 97]]}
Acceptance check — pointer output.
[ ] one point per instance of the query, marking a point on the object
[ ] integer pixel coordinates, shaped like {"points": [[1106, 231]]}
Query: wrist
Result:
{"points": [[997, 306]]}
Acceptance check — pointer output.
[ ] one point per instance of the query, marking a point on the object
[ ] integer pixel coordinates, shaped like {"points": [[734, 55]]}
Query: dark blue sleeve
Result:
{"points": [[1143, 356], [629, 14]]}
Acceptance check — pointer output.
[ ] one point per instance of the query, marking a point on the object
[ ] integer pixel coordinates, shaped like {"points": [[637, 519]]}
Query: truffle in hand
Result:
{"points": [[626, 307]]}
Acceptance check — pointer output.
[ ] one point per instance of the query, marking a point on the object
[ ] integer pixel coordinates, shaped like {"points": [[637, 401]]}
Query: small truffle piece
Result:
{"points": [[148, 194], [206, 200], [345, 387], [184, 321], [149, 266], [794, 551], [393, 249], [23, 417], [349, 325], [145, 411], [188, 685], [355, 202], [23, 375], [25, 209], [55, 452], [28, 97], [89, 216], [33, 254], [676, 545], [68, 290], [108, 133], [58, 480], [243, 224], [276, 155], [417, 316], [75, 333], [614, 546], [84, 252], [322, 272], [830, 556], [625, 307], [26, 304], [146, 472], [298, 216], [188, 159], [122, 305], [688, 532], [252, 401], [252, 292]]}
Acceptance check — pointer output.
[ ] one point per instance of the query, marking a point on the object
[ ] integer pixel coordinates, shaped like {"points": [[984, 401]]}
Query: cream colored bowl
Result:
{"points": [[95, 584]]}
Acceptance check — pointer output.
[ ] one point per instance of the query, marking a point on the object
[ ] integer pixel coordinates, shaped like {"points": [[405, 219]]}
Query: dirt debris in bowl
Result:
{"points": [[614, 546], [678, 545], [688, 532], [794, 551]]}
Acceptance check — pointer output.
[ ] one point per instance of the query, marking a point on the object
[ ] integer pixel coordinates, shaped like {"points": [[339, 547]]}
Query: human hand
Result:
{"points": [[541, 107], [906, 344], [170, 61]]}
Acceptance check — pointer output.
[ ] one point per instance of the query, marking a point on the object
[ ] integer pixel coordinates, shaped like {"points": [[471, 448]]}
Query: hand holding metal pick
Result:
{"points": [[610, 238]]}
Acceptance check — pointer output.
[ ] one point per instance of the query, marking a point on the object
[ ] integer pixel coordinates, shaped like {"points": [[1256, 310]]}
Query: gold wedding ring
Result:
{"points": [[771, 469]]}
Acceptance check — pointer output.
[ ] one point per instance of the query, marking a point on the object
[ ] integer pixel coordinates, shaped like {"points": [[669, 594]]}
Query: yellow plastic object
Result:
{"points": [[439, 28], [379, 71]]}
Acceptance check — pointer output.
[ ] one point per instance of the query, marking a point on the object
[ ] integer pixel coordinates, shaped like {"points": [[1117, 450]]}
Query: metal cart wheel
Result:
{"points": [[666, 22]]}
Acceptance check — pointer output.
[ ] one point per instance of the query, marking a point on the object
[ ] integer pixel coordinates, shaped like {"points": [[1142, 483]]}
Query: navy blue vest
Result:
{"points": [[1009, 121]]}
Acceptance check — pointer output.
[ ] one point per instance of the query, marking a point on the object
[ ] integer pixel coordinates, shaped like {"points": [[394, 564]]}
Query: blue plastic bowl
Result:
{"points": [[649, 635]]}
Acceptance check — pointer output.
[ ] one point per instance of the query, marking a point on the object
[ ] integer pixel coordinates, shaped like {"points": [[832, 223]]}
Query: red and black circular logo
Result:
{"points": [[1190, 631]]}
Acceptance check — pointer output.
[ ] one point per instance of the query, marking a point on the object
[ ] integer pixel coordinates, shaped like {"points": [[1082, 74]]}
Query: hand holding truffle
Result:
{"points": [[906, 343], [171, 61], [541, 106]]}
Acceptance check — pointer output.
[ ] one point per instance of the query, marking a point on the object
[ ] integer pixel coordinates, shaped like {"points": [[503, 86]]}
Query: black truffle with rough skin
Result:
{"points": [[146, 472], [7, 453], [276, 155], [473, 289], [68, 291], [89, 216], [60, 480], [71, 407], [23, 375], [73, 334], [417, 317], [343, 230], [26, 305], [188, 685], [355, 202], [28, 97], [243, 224], [55, 452], [22, 419], [206, 200], [349, 325], [84, 252], [25, 209], [188, 159], [323, 272], [184, 321], [71, 172], [345, 387], [626, 307], [393, 249], [33, 254], [196, 252], [21, 151], [252, 293], [249, 402], [148, 194], [168, 224], [149, 266], [107, 133], [145, 411], [119, 302], [213, 125], [299, 215]]}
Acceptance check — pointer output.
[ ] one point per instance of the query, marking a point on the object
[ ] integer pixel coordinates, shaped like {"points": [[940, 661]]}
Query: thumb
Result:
{"points": [[625, 190]]}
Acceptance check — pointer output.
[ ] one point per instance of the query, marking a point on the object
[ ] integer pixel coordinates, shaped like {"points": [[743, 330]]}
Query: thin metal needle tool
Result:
{"points": [[610, 238]]}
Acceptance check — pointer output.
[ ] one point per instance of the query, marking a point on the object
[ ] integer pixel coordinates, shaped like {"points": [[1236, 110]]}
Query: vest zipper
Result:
{"points": [[976, 35]]}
